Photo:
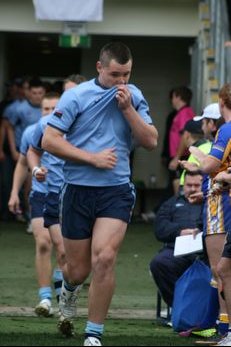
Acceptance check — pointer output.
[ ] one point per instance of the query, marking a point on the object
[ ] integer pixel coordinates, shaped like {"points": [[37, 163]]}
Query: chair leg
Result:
{"points": [[158, 305], [168, 313]]}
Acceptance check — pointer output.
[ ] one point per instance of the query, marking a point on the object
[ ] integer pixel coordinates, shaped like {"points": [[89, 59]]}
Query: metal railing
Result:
{"points": [[211, 53]]}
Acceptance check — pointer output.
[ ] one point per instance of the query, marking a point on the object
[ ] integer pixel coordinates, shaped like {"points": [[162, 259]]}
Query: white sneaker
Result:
{"points": [[67, 308], [44, 308], [226, 341], [29, 229], [67, 302], [92, 341]]}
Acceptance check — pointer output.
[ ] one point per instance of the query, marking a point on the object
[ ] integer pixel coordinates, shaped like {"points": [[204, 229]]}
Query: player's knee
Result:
{"points": [[104, 261]]}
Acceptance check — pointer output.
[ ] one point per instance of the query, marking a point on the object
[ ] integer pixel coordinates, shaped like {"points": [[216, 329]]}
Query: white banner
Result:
{"points": [[69, 10]]}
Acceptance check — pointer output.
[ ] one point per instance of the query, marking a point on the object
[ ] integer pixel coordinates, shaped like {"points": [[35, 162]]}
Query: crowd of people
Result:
{"points": [[207, 138], [69, 156]]}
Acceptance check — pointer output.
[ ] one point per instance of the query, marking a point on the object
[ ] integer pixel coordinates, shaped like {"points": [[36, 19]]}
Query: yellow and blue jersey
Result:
{"points": [[217, 211]]}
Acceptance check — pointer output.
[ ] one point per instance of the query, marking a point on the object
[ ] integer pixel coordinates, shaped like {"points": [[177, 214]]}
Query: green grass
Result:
{"points": [[135, 290], [21, 331]]}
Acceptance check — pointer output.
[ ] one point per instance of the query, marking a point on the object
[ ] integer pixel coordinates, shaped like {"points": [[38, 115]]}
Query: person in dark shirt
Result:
{"points": [[177, 216]]}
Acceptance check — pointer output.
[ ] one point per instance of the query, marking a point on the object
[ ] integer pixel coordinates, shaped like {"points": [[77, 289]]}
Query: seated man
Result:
{"points": [[176, 216]]}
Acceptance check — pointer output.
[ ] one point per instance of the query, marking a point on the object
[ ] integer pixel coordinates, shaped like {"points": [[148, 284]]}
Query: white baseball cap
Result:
{"points": [[212, 111]]}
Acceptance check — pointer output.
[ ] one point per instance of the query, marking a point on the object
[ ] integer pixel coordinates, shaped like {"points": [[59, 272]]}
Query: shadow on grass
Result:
{"points": [[32, 331], [17, 339]]}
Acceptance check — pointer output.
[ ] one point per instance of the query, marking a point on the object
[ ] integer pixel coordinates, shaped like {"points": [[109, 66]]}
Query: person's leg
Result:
{"points": [[43, 266], [51, 221], [57, 241], [93, 229], [217, 217], [106, 240], [57, 280], [77, 269], [108, 235], [214, 246], [166, 269], [224, 271]]}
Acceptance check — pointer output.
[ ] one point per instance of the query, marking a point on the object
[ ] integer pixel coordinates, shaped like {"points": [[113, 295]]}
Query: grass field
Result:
{"points": [[135, 291], [135, 288], [21, 331]]}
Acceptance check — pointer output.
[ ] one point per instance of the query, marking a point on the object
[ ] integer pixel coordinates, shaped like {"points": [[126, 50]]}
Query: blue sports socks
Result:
{"points": [[94, 329], [45, 293], [57, 280]]}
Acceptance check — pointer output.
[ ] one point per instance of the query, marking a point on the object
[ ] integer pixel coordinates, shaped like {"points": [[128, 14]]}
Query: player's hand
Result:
{"points": [[40, 173], [224, 176], [123, 96], [173, 164], [106, 159], [189, 166], [14, 204], [190, 231]]}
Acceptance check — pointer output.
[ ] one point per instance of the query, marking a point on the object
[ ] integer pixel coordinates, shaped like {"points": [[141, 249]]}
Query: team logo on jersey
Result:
{"points": [[58, 113]]}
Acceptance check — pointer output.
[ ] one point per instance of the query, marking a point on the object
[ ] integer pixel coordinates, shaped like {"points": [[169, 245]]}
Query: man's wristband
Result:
{"points": [[35, 170]]}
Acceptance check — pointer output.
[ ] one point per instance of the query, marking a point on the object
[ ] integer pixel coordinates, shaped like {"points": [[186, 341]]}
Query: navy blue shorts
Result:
{"points": [[51, 210], [37, 201], [81, 206]]}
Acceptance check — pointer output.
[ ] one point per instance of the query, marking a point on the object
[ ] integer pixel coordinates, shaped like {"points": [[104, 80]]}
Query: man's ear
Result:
{"points": [[98, 66], [221, 103]]}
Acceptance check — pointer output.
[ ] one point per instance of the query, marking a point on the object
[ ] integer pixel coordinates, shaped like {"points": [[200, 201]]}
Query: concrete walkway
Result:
{"points": [[82, 312]]}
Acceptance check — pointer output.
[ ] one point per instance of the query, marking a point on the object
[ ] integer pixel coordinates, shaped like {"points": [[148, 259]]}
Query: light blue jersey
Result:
{"points": [[10, 113], [91, 119], [26, 141], [21, 115], [52, 163]]}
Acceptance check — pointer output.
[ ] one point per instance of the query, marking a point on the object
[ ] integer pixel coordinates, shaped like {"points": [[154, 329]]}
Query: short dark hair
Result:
{"points": [[35, 83], [184, 93], [193, 173], [115, 50]]}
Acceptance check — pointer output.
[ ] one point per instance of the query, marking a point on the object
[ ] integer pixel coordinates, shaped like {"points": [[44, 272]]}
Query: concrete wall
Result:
{"points": [[125, 17], [159, 33]]}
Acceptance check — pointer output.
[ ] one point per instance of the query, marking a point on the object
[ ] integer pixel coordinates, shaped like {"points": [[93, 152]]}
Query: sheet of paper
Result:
{"points": [[187, 244]]}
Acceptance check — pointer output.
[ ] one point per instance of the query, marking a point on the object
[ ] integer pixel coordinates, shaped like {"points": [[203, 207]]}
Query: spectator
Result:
{"points": [[165, 154], [177, 216], [194, 136], [181, 99]]}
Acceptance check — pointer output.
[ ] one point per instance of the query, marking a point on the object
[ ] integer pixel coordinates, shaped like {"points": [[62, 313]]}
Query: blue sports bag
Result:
{"points": [[195, 303]]}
